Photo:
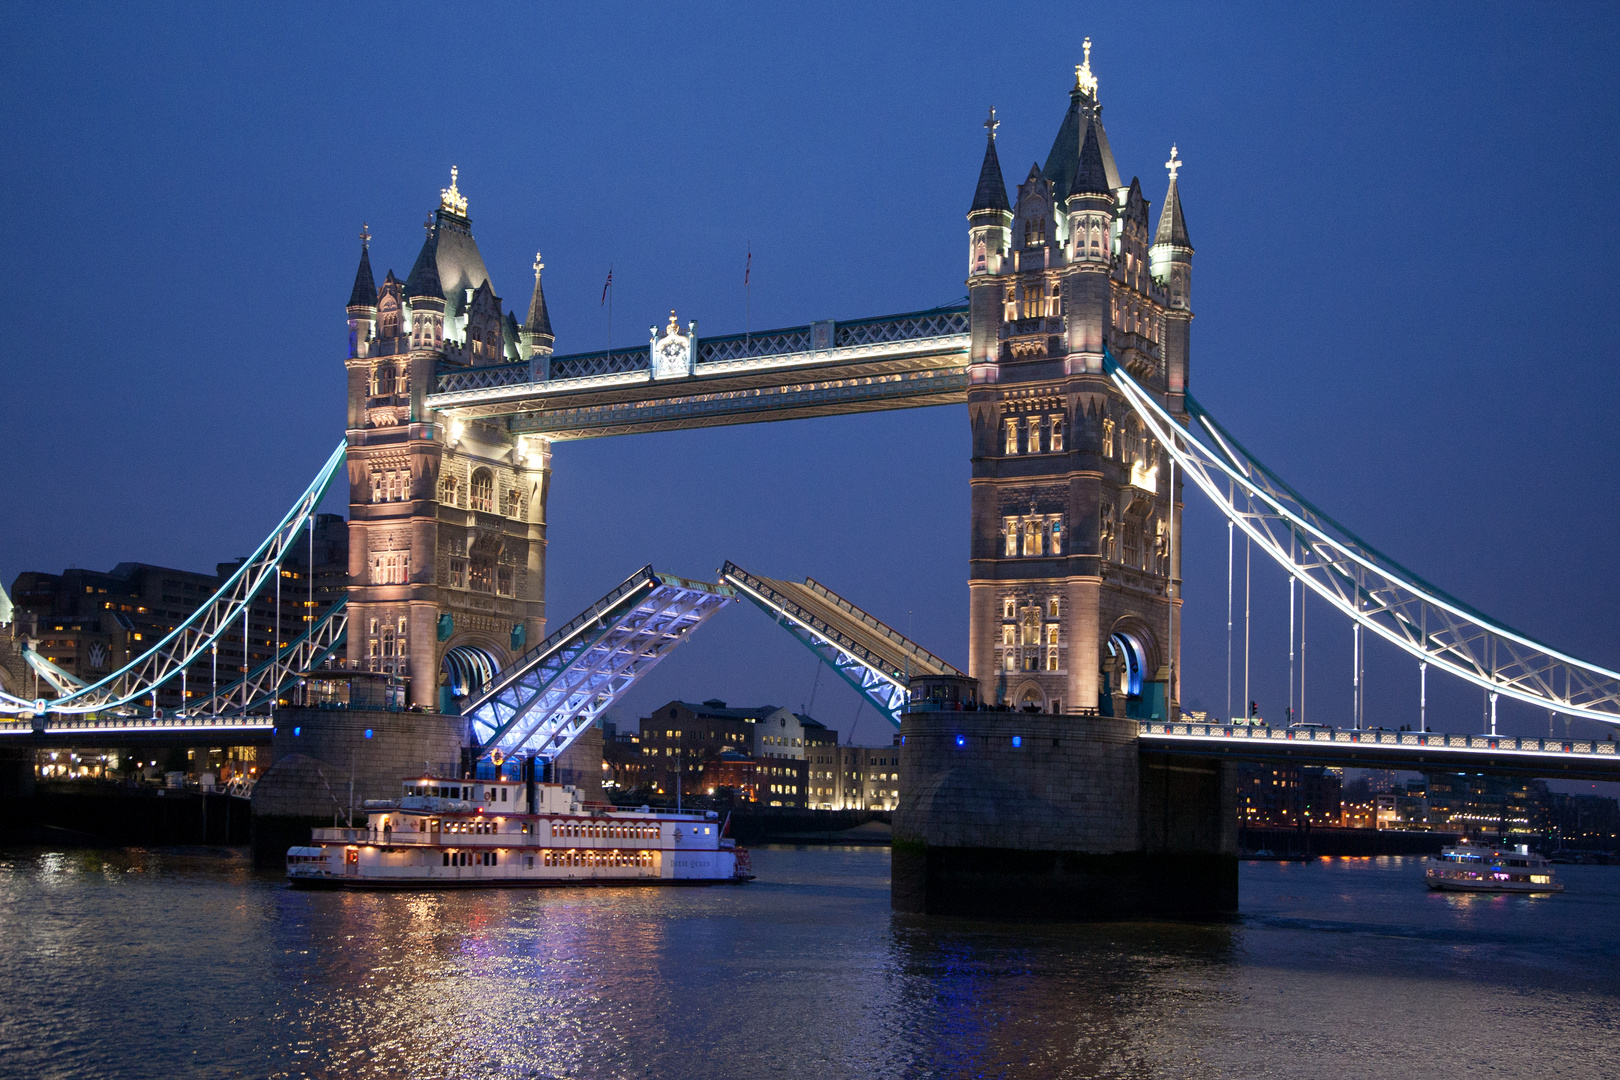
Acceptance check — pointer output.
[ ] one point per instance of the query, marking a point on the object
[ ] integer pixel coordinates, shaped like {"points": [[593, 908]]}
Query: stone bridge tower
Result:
{"points": [[447, 521], [1074, 578]]}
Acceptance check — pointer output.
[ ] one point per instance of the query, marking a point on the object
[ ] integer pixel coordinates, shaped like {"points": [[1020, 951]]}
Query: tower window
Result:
{"points": [[1009, 528], [1007, 608], [1052, 607], [1051, 659], [1012, 437], [1034, 435], [1008, 630], [1057, 434], [483, 491], [449, 489]]}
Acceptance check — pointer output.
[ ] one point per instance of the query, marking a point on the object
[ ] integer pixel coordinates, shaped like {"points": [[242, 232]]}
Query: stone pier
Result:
{"points": [[1057, 817]]}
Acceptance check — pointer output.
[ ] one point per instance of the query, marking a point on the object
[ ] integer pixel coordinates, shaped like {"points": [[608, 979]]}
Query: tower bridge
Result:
{"points": [[1086, 788]]}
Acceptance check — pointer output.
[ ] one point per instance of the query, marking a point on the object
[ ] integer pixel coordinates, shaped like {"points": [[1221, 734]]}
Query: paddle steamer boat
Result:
{"points": [[455, 833]]}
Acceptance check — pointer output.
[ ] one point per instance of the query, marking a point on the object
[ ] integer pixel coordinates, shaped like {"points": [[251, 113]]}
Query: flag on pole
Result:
{"points": [[606, 285], [749, 268]]}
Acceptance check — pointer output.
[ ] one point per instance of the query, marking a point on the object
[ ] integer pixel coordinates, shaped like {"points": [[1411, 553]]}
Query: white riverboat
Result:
{"points": [[1477, 868], [453, 833]]}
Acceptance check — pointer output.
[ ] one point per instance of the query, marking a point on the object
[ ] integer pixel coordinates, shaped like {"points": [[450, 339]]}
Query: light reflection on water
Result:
{"points": [[185, 962]]}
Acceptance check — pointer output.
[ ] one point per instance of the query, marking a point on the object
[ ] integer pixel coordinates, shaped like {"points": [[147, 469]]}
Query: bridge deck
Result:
{"points": [[871, 656], [1574, 759], [823, 369]]}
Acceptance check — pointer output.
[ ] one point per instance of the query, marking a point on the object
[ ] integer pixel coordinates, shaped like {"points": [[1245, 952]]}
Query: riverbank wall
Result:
{"points": [[89, 814]]}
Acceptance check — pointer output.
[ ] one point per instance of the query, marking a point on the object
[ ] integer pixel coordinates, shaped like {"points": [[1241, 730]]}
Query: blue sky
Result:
{"points": [[1404, 281]]}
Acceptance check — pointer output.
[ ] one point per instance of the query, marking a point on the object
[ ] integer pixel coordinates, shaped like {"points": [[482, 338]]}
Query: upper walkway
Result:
{"points": [[822, 369]]}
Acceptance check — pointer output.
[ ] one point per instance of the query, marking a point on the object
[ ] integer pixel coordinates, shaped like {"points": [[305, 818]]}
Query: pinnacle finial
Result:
{"points": [[674, 323], [1174, 164], [450, 198], [992, 123], [1084, 80], [365, 233], [427, 226], [538, 266]]}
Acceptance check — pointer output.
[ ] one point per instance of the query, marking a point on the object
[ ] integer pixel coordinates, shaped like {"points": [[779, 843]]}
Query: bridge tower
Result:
{"points": [[447, 524], [1075, 558]]}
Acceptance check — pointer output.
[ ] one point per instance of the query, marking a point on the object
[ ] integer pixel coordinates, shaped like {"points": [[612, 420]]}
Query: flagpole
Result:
{"points": [[748, 308]]}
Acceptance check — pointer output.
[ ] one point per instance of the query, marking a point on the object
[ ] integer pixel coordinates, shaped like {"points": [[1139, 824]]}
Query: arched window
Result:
{"points": [[483, 490], [382, 380]]}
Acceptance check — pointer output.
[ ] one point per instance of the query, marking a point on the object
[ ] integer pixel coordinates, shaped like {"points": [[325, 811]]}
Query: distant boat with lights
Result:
{"points": [[454, 833], [1469, 867]]}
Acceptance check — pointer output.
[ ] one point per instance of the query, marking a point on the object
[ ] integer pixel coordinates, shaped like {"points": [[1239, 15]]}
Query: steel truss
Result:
{"points": [[873, 658], [547, 697], [264, 683], [222, 613], [1371, 588]]}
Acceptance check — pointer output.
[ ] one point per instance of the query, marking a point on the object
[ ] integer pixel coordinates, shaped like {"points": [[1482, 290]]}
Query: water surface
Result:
{"points": [[188, 963]]}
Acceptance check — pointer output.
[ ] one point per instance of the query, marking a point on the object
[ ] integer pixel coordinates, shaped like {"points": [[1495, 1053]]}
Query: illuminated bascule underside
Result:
{"points": [[871, 656], [541, 702]]}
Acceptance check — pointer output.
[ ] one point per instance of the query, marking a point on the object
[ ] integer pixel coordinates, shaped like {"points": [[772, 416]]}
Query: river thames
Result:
{"points": [[189, 963]]}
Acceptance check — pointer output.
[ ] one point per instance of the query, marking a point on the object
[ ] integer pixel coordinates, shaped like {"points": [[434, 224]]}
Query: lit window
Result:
{"points": [[1057, 434], [1052, 608], [483, 491], [1012, 436]]}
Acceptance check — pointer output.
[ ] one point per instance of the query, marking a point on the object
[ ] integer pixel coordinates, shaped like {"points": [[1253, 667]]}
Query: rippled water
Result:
{"points": [[187, 963]]}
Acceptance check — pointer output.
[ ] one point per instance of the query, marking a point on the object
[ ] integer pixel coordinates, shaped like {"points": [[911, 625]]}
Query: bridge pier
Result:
{"points": [[1057, 817]]}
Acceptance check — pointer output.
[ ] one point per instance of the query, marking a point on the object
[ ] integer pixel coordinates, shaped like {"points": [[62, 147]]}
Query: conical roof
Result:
{"points": [[364, 293], [1172, 225], [1091, 175], [423, 279], [1064, 160], [539, 320], [991, 194]]}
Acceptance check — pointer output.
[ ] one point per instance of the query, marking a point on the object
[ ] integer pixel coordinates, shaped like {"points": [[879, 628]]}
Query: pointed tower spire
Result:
{"points": [[991, 194], [537, 335], [1172, 225], [1091, 176], [423, 279], [364, 293]]}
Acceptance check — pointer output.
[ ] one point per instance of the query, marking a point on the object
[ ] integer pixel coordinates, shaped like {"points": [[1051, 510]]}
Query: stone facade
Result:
{"points": [[447, 518], [1075, 547]]}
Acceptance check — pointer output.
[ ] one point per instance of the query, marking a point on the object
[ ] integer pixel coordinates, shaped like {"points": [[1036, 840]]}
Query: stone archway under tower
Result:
{"points": [[1133, 682], [466, 665], [1029, 697]]}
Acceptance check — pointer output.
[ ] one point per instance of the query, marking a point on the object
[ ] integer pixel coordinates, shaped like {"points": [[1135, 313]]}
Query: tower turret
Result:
{"points": [[362, 306], [1090, 208], [424, 296], [989, 237], [537, 336], [1170, 263]]}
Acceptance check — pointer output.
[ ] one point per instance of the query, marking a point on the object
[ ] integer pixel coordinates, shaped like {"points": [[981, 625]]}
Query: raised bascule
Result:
{"points": [[1056, 774]]}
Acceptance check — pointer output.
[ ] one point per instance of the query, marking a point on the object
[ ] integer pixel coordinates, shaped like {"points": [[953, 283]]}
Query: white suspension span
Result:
{"points": [[1377, 593], [202, 630]]}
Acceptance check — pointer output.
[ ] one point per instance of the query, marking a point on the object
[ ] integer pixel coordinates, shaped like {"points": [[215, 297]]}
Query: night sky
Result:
{"points": [[1405, 284]]}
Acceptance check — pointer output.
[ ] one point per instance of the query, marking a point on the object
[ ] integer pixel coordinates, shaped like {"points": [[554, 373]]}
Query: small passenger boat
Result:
{"points": [[455, 833], [1469, 867]]}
